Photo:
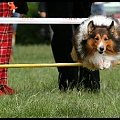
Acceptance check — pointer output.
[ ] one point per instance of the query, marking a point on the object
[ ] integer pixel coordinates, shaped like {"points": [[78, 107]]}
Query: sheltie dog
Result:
{"points": [[96, 42]]}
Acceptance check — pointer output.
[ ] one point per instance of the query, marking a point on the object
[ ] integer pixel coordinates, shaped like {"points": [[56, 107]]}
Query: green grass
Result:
{"points": [[38, 95]]}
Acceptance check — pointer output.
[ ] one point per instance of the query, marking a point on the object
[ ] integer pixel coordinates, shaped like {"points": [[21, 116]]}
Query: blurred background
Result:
{"points": [[31, 33], [112, 9]]}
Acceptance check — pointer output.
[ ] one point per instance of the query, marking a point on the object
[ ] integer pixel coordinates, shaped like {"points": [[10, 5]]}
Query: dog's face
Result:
{"points": [[101, 39]]}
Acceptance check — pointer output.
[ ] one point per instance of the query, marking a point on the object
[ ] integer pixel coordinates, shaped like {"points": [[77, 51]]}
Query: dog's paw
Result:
{"points": [[103, 64], [107, 64], [100, 64]]}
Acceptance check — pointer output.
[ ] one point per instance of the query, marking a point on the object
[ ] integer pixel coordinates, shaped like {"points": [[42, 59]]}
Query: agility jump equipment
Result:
{"points": [[41, 21]]}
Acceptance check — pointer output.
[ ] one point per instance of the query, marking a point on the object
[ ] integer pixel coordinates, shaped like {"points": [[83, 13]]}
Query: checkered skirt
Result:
{"points": [[5, 41]]}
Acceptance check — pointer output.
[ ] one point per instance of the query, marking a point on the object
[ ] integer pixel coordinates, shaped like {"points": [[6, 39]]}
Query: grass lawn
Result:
{"points": [[38, 95]]}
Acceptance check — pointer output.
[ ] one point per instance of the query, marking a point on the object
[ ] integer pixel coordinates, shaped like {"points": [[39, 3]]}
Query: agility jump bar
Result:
{"points": [[39, 65], [4, 20], [42, 65]]}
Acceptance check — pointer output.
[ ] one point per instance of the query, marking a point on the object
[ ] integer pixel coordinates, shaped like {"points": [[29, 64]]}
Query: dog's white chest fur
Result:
{"points": [[100, 61]]}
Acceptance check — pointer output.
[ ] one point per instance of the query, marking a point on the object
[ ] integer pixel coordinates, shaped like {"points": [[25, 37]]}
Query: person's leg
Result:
{"points": [[61, 47], [62, 44], [5, 51], [90, 80]]}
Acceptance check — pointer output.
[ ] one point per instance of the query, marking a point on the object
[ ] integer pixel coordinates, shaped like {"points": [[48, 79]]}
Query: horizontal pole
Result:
{"points": [[42, 65], [39, 65], [41, 20], [12, 20]]}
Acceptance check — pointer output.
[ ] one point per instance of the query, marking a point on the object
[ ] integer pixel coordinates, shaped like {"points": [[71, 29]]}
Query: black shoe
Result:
{"points": [[68, 80]]}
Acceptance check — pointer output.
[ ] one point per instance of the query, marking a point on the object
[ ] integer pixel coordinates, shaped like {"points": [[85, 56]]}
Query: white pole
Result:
{"points": [[41, 20]]}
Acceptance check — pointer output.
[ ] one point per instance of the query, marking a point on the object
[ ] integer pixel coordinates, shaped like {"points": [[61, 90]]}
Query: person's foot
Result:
{"points": [[4, 89], [1, 93], [67, 81]]}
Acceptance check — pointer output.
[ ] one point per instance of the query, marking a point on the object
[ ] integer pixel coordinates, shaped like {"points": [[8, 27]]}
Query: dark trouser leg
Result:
{"points": [[61, 46], [62, 43], [68, 79], [89, 79]]}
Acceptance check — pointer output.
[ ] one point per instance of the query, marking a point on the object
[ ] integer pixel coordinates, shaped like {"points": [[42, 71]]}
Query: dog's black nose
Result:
{"points": [[101, 48]]}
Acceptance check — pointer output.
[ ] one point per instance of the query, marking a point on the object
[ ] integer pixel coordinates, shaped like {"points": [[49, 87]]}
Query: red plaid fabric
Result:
{"points": [[5, 41]]}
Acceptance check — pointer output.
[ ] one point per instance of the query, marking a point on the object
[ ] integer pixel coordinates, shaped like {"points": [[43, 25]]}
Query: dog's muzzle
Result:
{"points": [[101, 49]]}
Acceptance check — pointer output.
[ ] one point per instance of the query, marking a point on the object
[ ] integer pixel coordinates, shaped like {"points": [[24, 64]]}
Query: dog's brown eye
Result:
{"points": [[106, 39], [96, 38]]}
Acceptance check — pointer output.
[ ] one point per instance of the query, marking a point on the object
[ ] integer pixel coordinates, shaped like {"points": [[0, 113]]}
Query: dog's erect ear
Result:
{"points": [[111, 28], [91, 26]]}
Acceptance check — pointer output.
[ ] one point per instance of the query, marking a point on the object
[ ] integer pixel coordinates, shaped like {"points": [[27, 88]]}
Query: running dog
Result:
{"points": [[96, 42]]}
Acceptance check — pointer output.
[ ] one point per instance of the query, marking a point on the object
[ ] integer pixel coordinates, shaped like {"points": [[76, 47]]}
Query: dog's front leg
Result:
{"points": [[97, 62], [106, 64]]}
